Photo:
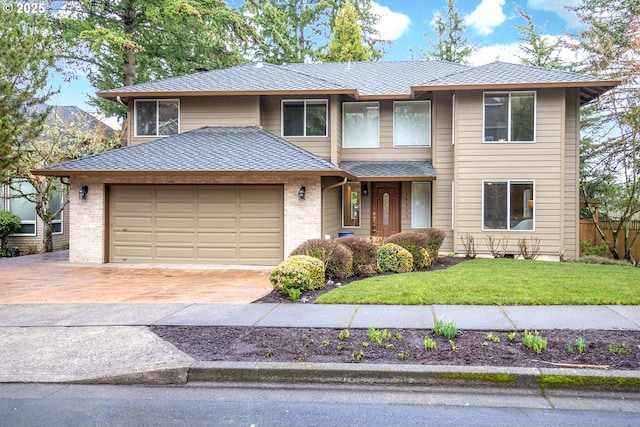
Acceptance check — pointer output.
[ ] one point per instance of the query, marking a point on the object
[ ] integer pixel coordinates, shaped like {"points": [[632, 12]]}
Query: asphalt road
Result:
{"points": [[271, 405]]}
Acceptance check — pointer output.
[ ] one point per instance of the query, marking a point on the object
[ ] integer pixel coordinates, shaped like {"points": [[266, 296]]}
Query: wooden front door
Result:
{"points": [[385, 212]]}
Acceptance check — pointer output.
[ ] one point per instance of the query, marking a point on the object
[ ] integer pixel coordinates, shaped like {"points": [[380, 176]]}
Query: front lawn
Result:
{"points": [[498, 282]]}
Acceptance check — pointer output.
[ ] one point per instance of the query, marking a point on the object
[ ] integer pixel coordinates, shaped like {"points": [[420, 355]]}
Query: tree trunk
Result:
{"points": [[129, 60]]}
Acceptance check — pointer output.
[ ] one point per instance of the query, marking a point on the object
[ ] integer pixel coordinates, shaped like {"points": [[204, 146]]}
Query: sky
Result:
{"points": [[490, 25]]}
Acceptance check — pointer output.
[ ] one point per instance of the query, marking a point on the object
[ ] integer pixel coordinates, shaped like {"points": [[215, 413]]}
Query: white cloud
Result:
{"points": [[512, 53], [559, 7], [392, 25], [487, 16]]}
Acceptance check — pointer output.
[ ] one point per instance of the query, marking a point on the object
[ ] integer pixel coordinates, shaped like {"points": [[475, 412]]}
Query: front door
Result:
{"points": [[385, 212]]}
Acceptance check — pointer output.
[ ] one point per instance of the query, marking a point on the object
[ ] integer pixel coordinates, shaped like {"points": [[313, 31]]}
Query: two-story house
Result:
{"points": [[241, 165]]}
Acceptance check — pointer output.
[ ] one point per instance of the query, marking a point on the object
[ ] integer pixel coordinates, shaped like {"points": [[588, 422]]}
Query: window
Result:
{"points": [[360, 123], [351, 204], [304, 118], [156, 117], [412, 123], [420, 204], [507, 205], [22, 207], [509, 116], [57, 222]]}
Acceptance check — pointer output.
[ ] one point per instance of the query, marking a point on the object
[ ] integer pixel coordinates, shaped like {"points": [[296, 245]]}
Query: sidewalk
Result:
{"points": [[110, 343]]}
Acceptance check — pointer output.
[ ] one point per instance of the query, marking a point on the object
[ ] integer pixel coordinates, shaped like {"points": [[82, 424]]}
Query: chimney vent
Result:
{"points": [[259, 59]]}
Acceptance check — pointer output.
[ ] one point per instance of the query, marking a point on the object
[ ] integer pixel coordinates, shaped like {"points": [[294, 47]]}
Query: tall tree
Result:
{"points": [[127, 42], [299, 30], [26, 57], [537, 49], [452, 41], [611, 126], [347, 43], [62, 139]]}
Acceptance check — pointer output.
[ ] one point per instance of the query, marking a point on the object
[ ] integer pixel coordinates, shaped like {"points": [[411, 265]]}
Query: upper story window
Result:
{"points": [[158, 117], [509, 116], [412, 123], [360, 124], [507, 205], [304, 117]]}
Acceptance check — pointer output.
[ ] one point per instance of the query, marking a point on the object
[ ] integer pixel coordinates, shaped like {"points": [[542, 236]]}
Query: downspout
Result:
{"points": [[339, 184]]}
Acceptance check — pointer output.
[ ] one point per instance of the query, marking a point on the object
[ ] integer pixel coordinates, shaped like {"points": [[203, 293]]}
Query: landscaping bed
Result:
{"points": [[604, 349]]}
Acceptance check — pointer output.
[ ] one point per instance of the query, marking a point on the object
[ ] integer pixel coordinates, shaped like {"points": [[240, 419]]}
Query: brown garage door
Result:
{"points": [[204, 224]]}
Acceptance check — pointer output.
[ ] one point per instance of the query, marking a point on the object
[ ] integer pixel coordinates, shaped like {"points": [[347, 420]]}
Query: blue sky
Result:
{"points": [[490, 23]]}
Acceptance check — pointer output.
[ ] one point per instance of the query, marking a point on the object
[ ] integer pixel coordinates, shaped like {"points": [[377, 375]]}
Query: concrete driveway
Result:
{"points": [[50, 278]]}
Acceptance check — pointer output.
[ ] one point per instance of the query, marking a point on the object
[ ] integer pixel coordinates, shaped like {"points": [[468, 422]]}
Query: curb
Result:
{"points": [[381, 375]]}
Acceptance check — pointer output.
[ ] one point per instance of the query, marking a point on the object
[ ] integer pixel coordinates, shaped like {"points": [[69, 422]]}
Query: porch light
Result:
{"points": [[302, 192], [83, 192], [365, 190]]}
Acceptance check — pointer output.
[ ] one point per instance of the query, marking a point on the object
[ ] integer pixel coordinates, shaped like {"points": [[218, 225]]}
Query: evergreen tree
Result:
{"points": [[348, 41], [538, 50], [452, 42]]}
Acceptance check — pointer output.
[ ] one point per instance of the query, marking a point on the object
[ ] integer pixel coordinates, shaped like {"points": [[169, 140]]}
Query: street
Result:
{"points": [[298, 405]]}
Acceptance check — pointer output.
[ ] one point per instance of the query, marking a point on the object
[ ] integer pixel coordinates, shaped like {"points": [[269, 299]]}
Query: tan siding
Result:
{"points": [[196, 112], [443, 161], [571, 173], [332, 209], [271, 107], [386, 150], [539, 162]]}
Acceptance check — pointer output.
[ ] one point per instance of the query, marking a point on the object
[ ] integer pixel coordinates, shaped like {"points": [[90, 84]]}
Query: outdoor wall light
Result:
{"points": [[365, 190], [83, 192], [302, 192]]}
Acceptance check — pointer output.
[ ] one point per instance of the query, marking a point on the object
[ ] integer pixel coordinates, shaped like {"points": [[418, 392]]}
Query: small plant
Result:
{"points": [[570, 348], [344, 334], [325, 343], [469, 245], [429, 344], [619, 349], [492, 338], [513, 336], [398, 336], [588, 248], [356, 356], [304, 357], [403, 355], [340, 347], [365, 344], [534, 341], [453, 345], [269, 353], [378, 336], [529, 249], [581, 342], [293, 293], [446, 329]]}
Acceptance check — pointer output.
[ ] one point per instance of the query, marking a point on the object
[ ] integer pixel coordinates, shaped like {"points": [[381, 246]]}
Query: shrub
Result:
{"points": [[298, 272], [392, 257], [9, 224], [337, 258], [416, 243], [596, 259], [587, 248], [365, 255], [435, 237]]}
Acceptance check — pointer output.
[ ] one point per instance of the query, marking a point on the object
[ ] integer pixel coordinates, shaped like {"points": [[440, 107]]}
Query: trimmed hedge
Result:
{"points": [[337, 258], [298, 272], [435, 237], [392, 257], [417, 244], [365, 255]]}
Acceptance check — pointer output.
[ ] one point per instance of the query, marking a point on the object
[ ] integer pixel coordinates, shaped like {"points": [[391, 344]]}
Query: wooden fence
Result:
{"points": [[588, 232]]}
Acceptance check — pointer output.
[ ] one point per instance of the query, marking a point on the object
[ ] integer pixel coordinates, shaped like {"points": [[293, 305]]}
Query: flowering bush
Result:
{"points": [[298, 272], [392, 257]]}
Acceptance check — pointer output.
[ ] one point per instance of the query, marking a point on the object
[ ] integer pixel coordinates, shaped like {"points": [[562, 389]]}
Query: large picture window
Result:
{"points": [[509, 116], [304, 117], [412, 123], [22, 207], [157, 117], [420, 205], [351, 204], [360, 124], [508, 205]]}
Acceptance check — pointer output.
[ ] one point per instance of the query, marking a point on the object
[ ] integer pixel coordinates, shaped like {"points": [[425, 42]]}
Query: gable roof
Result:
{"points": [[207, 150], [363, 80]]}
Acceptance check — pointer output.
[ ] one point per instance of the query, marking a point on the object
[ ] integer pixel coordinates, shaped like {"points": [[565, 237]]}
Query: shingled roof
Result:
{"points": [[372, 170], [362, 80], [205, 150]]}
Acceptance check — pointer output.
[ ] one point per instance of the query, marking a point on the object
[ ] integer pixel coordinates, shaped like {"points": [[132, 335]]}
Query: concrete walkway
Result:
{"points": [[110, 343]]}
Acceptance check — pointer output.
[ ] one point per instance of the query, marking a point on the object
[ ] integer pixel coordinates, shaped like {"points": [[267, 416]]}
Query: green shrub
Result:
{"points": [[365, 255], [9, 224], [595, 259], [416, 243], [392, 257], [337, 258], [298, 272], [587, 248]]}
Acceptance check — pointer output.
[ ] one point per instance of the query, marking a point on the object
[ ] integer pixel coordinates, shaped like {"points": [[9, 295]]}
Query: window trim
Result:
{"points": [[304, 124], [509, 93], [430, 185], [342, 199], [60, 220], [377, 145], [157, 101], [508, 182], [428, 144]]}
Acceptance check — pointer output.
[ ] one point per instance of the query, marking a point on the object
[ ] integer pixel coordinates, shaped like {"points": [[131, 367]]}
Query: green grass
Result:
{"points": [[498, 282]]}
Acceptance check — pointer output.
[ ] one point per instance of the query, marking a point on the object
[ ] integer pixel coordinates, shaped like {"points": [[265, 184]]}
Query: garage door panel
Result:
{"points": [[230, 224]]}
